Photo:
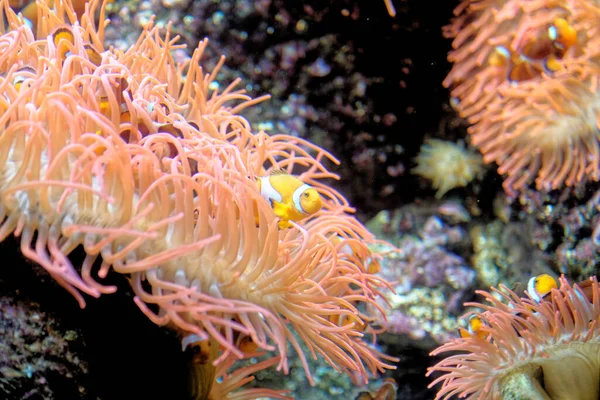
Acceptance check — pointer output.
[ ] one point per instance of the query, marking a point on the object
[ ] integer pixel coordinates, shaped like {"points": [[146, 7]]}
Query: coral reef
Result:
{"points": [[71, 352], [430, 281], [39, 358], [504, 253], [562, 226]]}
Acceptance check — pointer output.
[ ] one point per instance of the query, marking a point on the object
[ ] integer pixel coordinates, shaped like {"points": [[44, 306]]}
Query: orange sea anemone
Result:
{"points": [[447, 165], [525, 75], [528, 350], [135, 159]]}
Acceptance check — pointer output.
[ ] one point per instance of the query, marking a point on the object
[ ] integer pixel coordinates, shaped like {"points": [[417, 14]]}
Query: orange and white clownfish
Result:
{"points": [[29, 10], [541, 54], [21, 75], [201, 355], [474, 328], [540, 286], [246, 344], [64, 39], [343, 320], [522, 68], [562, 34], [291, 199]]}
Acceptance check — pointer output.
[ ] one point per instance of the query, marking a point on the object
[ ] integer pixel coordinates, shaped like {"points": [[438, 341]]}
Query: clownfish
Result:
{"points": [[21, 76], [540, 286], [21, 79], [291, 199], [246, 344], [343, 320], [201, 355], [474, 328], [18, 82], [562, 34], [519, 67], [30, 12], [64, 40], [522, 68], [539, 55]]}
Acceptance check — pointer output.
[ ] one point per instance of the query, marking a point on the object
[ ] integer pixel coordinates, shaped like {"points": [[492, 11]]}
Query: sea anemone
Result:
{"points": [[153, 173], [448, 165], [528, 350], [525, 75]]}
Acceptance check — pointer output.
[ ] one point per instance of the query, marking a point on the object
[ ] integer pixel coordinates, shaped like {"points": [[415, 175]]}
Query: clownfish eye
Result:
{"points": [[310, 201]]}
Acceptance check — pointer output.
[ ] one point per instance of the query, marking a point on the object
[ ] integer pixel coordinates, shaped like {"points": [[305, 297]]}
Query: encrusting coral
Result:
{"points": [[528, 348], [525, 75], [134, 158]]}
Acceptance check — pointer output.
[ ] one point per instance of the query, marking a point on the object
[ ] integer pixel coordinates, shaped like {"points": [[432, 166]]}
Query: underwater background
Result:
{"points": [[367, 87]]}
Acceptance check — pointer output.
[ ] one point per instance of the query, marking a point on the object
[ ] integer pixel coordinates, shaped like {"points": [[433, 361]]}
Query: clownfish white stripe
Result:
{"points": [[347, 249], [18, 79], [296, 197], [532, 290], [267, 190], [541, 285]]}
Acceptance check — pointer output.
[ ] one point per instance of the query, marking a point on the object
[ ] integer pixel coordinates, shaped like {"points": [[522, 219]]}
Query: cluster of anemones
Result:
{"points": [[527, 348], [139, 162], [525, 76]]}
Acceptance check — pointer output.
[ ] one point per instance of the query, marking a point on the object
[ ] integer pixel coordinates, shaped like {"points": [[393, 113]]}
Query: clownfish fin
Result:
{"points": [[499, 57], [463, 333], [284, 224], [279, 171], [170, 129], [62, 33], [552, 64], [64, 40], [29, 13], [562, 34], [280, 209], [93, 54]]}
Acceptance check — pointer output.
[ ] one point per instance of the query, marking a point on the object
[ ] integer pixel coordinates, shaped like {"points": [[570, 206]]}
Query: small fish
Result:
{"points": [[342, 320], [540, 54], [474, 328], [64, 41], [93, 54], [20, 81], [499, 57], [291, 199], [30, 12], [562, 34], [519, 68], [21, 76], [552, 64], [522, 70], [201, 355], [246, 344], [540, 286]]}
